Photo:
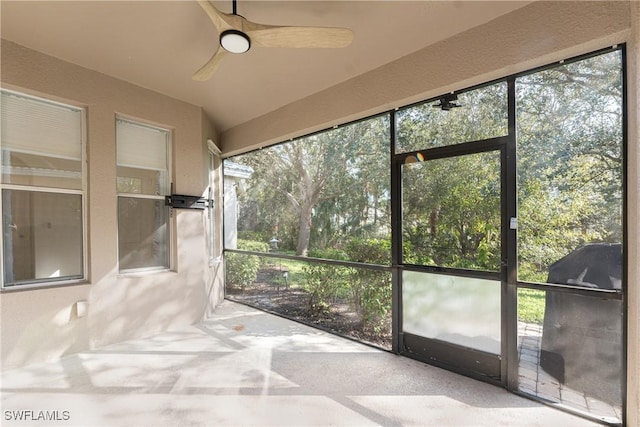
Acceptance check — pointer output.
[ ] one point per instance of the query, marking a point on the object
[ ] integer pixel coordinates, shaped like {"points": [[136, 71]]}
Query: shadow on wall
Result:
{"points": [[135, 305], [43, 324], [214, 286]]}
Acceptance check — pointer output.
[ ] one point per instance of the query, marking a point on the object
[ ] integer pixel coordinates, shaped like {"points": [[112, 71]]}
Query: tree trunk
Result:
{"points": [[433, 222], [306, 212]]}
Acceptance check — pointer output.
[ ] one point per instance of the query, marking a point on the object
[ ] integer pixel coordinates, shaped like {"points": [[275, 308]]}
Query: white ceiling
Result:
{"points": [[160, 44]]}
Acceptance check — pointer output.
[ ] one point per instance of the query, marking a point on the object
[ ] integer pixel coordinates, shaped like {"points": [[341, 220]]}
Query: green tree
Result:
{"points": [[569, 160], [451, 211], [451, 207], [298, 188]]}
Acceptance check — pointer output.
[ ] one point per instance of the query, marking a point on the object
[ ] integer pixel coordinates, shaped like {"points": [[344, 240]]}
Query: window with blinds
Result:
{"points": [[143, 164], [43, 191]]}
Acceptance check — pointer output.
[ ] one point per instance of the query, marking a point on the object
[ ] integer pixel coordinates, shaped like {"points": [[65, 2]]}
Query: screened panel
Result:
{"points": [[457, 310], [570, 174], [451, 212], [326, 195], [350, 301], [469, 116], [570, 351], [42, 238]]}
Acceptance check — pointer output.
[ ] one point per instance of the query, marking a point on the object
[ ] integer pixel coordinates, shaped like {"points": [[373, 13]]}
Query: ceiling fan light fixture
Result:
{"points": [[235, 41]]}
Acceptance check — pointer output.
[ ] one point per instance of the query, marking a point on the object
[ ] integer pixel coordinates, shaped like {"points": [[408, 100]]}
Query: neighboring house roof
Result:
{"points": [[236, 170]]}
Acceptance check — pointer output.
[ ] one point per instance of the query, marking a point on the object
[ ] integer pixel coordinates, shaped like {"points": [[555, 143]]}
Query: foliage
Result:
{"points": [[323, 281], [298, 188], [370, 289], [451, 211], [242, 270], [569, 161], [256, 236], [483, 115], [327, 195], [329, 253], [252, 245], [370, 251], [367, 291]]}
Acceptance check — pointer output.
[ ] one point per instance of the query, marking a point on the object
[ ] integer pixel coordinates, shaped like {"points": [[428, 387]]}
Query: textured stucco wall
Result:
{"points": [[41, 324]]}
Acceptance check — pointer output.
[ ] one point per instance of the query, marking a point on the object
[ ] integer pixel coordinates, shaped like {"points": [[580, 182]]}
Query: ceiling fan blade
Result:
{"points": [[267, 36], [222, 21], [300, 37], [206, 71]]}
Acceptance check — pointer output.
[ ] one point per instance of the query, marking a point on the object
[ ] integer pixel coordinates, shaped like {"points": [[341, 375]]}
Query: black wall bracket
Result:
{"points": [[180, 201]]}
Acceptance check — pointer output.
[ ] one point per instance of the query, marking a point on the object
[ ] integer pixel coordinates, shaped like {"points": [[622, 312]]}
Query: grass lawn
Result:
{"points": [[531, 302], [531, 305], [295, 277]]}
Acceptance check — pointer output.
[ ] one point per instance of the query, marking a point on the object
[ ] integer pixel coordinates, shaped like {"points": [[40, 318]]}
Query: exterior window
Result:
{"points": [[142, 182], [43, 191]]}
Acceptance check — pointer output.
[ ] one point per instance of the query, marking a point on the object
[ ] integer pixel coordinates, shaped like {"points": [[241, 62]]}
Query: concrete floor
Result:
{"points": [[248, 368]]}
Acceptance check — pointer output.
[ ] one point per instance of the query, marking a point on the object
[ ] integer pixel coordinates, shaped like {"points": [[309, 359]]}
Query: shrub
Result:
{"points": [[328, 253], [370, 251], [323, 282], [241, 269], [371, 297], [255, 236], [253, 245], [370, 290]]}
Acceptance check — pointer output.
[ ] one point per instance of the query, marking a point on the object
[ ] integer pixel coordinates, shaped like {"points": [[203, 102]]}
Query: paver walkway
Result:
{"points": [[535, 381]]}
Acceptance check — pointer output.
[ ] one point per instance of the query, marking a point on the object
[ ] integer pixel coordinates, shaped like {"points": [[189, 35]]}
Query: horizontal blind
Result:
{"points": [[141, 146], [34, 126]]}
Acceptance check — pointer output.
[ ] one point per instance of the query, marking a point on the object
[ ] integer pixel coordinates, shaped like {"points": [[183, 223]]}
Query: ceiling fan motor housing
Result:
{"points": [[235, 41]]}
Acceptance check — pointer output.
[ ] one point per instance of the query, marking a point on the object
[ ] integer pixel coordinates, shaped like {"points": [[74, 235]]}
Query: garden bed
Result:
{"points": [[271, 293]]}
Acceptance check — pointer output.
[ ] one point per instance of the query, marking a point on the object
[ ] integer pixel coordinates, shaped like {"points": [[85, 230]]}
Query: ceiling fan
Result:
{"points": [[238, 35]]}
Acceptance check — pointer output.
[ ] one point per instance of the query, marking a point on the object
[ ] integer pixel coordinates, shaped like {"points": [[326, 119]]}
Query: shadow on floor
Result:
{"points": [[244, 367]]}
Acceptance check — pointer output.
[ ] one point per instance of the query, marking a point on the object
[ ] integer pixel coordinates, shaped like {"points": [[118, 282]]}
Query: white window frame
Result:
{"points": [[167, 185], [213, 157], [82, 192]]}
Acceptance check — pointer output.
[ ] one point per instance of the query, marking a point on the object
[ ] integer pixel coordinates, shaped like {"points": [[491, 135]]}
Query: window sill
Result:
{"points": [[144, 272], [43, 285]]}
